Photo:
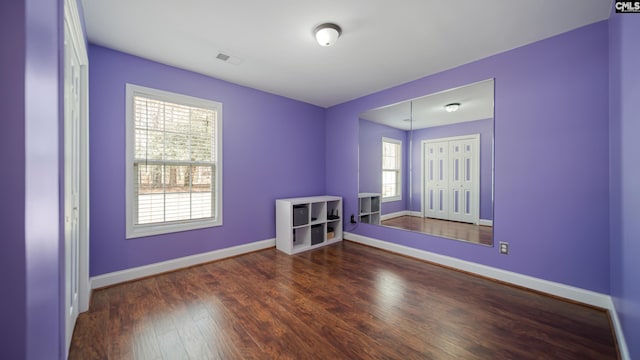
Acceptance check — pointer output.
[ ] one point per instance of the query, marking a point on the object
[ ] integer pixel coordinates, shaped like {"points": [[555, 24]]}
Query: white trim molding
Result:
{"points": [[400, 213], [481, 222], [121, 276], [394, 215], [549, 287], [617, 327]]}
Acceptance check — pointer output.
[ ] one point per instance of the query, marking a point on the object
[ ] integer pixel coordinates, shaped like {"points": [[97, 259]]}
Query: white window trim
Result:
{"points": [[135, 231], [399, 196]]}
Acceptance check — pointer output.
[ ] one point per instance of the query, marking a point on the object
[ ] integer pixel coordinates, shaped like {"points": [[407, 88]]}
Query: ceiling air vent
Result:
{"points": [[229, 58], [223, 57]]}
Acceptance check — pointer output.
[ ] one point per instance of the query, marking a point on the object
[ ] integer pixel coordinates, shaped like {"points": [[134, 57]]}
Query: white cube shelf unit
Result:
{"points": [[369, 208], [307, 223]]}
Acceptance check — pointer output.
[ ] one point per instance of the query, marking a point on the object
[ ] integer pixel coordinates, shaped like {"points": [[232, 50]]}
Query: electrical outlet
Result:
{"points": [[504, 248]]}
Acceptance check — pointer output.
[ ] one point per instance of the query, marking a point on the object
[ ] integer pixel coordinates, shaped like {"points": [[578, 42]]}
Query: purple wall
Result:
{"points": [[273, 147], [624, 128], [13, 308], [551, 137], [370, 162], [482, 127], [43, 121], [32, 315]]}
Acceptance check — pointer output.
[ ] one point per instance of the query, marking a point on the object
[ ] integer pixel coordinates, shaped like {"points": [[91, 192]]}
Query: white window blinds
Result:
{"points": [[175, 161], [391, 168]]}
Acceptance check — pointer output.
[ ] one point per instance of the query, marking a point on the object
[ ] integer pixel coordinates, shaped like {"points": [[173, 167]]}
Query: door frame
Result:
{"points": [[423, 175], [77, 40]]}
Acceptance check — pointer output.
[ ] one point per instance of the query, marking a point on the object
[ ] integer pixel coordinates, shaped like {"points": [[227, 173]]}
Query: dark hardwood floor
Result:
{"points": [[344, 301], [449, 229]]}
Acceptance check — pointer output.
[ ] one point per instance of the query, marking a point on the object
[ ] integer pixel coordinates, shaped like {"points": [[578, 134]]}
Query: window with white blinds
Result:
{"points": [[391, 169], [173, 162]]}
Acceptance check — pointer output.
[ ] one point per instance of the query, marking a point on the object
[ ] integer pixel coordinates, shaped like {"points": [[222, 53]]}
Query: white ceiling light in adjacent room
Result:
{"points": [[327, 34], [452, 107]]}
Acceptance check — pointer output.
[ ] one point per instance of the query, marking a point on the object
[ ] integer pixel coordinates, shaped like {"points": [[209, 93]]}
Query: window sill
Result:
{"points": [[138, 231], [391, 199]]}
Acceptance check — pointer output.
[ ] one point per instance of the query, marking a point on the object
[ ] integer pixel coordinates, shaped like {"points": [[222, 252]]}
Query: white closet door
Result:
{"points": [[463, 193], [451, 173], [437, 180], [71, 181]]}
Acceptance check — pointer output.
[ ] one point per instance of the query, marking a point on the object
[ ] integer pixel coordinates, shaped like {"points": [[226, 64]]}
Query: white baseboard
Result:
{"points": [[179, 263], [557, 289], [622, 344], [394, 215], [85, 299], [565, 291], [483, 222], [400, 213]]}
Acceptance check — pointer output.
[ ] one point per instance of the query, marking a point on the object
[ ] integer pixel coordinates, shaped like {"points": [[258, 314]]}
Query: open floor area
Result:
{"points": [[344, 301], [449, 229]]}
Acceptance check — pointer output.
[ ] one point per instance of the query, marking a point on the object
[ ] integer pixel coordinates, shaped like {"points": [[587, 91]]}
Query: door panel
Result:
{"points": [[463, 177], [437, 175]]}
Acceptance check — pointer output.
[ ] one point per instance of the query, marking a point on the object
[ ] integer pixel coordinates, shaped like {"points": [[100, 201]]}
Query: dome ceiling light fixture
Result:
{"points": [[327, 34], [452, 107]]}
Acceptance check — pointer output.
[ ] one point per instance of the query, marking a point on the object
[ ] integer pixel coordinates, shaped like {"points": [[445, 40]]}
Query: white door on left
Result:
{"points": [[72, 110]]}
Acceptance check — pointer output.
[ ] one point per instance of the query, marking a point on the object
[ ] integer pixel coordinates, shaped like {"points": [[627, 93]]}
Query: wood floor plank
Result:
{"points": [[91, 336], [345, 301], [171, 346], [277, 330], [145, 344], [226, 338], [349, 340]]}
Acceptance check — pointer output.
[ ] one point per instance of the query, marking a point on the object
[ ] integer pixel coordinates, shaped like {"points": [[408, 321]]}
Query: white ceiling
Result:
{"points": [[476, 103], [384, 43]]}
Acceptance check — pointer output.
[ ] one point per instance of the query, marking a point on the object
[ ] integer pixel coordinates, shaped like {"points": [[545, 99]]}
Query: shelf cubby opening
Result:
{"points": [[375, 204], [375, 218], [365, 205], [333, 210], [302, 237], [318, 233], [334, 230], [318, 212], [300, 215]]}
